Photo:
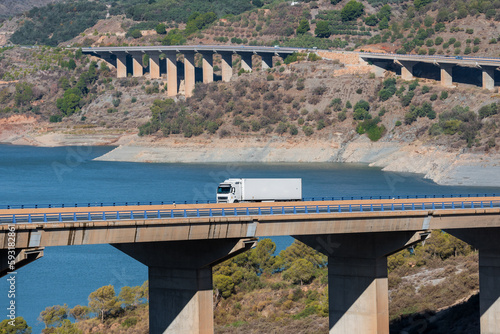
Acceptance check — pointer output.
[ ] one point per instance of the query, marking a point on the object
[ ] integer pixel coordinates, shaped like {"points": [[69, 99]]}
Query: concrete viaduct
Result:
{"points": [[129, 60], [118, 56], [181, 243], [445, 64]]}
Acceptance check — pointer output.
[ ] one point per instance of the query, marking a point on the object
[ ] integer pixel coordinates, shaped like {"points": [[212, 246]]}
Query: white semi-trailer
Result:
{"points": [[259, 190]]}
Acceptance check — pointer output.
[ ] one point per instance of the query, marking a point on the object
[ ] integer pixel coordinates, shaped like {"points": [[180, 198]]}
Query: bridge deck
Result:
{"points": [[76, 226]]}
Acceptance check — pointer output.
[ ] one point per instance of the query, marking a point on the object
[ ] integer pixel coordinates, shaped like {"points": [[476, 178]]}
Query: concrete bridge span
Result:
{"points": [[486, 66], [129, 60], [163, 59], [181, 243]]}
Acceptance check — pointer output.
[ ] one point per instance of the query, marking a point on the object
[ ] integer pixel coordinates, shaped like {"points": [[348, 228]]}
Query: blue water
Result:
{"points": [[69, 175]]}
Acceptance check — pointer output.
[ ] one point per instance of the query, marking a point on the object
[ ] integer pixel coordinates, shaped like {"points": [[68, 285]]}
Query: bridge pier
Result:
{"points": [[407, 69], [357, 278], [486, 240], [267, 60], [446, 75], [154, 65], [171, 73], [180, 281], [488, 77], [246, 61], [137, 68], [208, 67], [189, 77], [227, 66], [121, 65]]}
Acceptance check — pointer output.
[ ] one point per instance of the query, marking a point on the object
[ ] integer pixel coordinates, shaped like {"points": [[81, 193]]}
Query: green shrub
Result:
{"points": [[135, 33], [308, 131], [451, 127], [55, 118], [444, 95], [398, 123], [488, 110], [372, 130], [129, 322], [342, 116], [413, 85], [406, 99], [425, 89]]}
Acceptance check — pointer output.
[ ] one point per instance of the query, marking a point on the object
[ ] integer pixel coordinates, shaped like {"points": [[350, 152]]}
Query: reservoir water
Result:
{"points": [[30, 175]]}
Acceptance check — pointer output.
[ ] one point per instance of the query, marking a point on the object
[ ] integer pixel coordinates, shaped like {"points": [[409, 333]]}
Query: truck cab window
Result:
{"points": [[224, 190]]}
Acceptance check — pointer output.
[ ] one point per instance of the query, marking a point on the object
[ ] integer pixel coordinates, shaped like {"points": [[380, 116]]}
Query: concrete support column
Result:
{"points": [[181, 298], [488, 77], [357, 278], [246, 61], [486, 241], [154, 65], [189, 77], [171, 73], [407, 69], [180, 281], [208, 67], [137, 69], [121, 65], [446, 75], [267, 60], [227, 66]]}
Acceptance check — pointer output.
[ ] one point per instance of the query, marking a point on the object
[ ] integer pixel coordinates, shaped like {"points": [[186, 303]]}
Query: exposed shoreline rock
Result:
{"points": [[437, 164]]}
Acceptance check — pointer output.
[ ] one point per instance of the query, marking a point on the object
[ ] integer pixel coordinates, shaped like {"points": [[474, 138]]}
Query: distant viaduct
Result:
{"points": [[128, 60]]}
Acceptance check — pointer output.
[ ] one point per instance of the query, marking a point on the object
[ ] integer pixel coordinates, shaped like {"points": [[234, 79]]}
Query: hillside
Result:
{"points": [[317, 110], [420, 26]]}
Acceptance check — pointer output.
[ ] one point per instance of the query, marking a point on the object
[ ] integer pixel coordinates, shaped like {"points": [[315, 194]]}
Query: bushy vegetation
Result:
{"points": [[104, 305], [460, 120], [389, 89], [424, 110], [172, 118], [288, 287], [73, 97], [59, 22], [371, 128], [178, 11]]}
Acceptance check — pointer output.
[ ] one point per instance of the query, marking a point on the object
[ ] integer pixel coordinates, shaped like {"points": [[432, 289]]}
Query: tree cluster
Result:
{"points": [[59, 22]]}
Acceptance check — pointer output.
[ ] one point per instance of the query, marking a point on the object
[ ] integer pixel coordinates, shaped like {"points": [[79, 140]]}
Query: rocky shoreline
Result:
{"points": [[437, 164]]}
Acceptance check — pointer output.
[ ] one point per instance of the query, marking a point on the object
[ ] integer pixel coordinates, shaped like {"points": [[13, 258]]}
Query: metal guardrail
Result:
{"points": [[241, 211], [322, 198]]}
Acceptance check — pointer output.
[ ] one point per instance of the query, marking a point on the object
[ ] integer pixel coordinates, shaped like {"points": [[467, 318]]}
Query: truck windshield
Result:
{"points": [[223, 189]]}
